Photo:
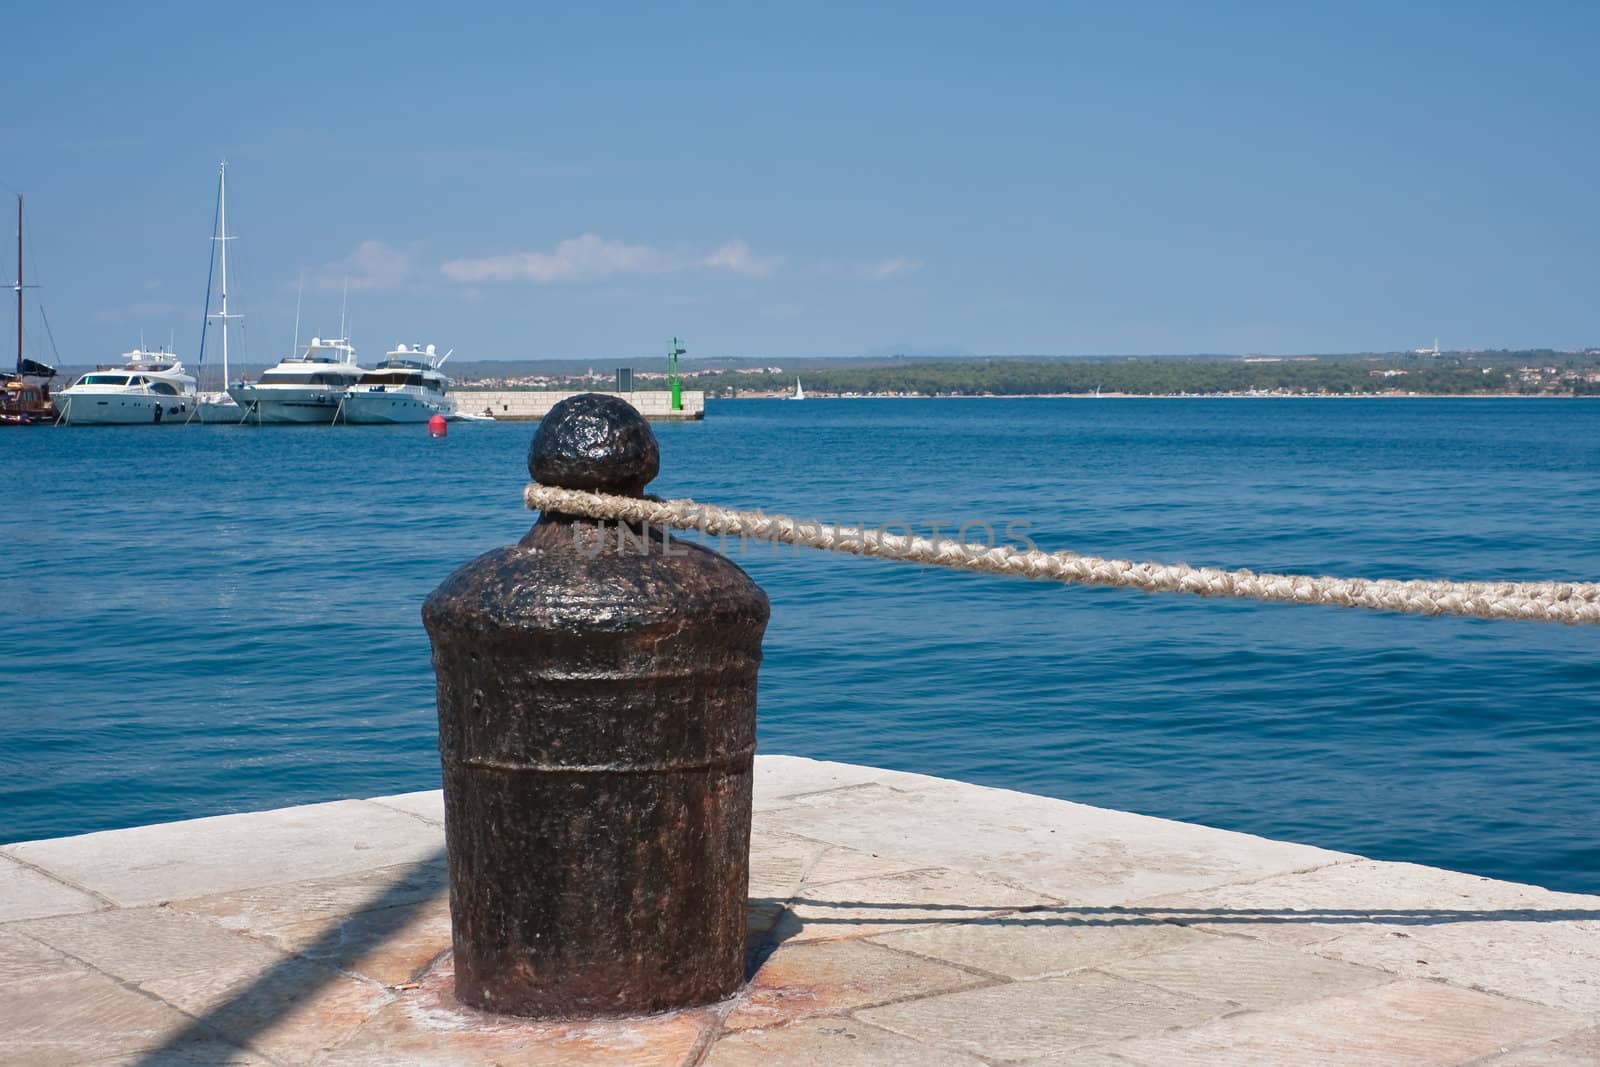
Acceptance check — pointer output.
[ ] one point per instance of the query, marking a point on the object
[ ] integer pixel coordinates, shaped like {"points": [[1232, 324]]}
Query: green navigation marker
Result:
{"points": [[672, 374]]}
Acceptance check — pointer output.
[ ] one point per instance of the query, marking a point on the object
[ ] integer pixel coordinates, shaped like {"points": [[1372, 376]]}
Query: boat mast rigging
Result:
{"points": [[298, 296], [22, 362], [223, 238], [19, 285]]}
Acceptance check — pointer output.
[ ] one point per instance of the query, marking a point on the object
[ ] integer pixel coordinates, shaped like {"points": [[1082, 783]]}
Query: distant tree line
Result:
{"points": [[1478, 373], [1149, 377]]}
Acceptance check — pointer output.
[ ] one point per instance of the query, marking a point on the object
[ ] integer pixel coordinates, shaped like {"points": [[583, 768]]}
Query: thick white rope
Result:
{"points": [[1539, 601]]}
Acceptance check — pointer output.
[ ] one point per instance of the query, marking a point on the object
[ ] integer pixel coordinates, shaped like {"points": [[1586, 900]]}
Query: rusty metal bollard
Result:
{"points": [[597, 700]]}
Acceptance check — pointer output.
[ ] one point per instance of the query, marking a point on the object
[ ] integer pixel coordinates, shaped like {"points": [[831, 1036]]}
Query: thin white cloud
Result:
{"points": [[586, 258], [590, 257], [373, 266], [885, 269], [736, 256]]}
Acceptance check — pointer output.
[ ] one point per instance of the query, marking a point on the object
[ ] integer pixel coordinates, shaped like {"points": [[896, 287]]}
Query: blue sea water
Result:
{"points": [[208, 619]]}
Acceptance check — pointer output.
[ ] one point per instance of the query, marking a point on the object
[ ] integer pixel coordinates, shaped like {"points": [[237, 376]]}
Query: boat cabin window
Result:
{"points": [[104, 379], [164, 388], [292, 378], [394, 378]]}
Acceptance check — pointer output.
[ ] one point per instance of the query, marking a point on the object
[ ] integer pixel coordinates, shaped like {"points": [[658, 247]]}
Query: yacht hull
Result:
{"points": [[122, 409], [387, 408], [222, 411], [286, 405]]}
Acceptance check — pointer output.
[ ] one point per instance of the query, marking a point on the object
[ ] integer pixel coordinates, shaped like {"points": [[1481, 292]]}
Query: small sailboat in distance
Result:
{"points": [[799, 393]]}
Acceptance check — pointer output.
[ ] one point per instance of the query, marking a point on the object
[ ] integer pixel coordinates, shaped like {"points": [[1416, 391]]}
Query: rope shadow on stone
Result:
{"points": [[790, 923], [297, 979]]}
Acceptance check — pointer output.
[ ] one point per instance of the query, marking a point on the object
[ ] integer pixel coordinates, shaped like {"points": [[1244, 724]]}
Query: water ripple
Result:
{"points": [[227, 618]]}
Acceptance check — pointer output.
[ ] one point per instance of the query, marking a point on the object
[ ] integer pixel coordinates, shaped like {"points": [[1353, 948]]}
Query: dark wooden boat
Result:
{"points": [[25, 392]]}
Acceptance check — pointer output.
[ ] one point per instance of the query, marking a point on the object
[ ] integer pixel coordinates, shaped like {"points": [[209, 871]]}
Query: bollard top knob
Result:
{"points": [[594, 441]]}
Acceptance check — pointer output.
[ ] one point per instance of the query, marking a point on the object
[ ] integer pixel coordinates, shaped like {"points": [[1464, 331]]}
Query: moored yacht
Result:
{"points": [[148, 387], [406, 387], [25, 394], [304, 388]]}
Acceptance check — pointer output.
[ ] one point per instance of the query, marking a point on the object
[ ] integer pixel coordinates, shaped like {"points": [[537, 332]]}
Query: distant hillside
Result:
{"points": [[1531, 372]]}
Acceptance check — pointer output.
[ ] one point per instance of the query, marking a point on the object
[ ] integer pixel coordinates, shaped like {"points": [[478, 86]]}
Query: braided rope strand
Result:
{"points": [[1563, 602]]}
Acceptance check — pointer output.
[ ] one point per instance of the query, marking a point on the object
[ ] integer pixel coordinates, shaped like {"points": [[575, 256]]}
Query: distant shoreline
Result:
{"points": [[461, 390], [1169, 396], [1531, 373]]}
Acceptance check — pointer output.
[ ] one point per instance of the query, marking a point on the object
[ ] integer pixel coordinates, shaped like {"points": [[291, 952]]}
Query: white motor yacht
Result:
{"points": [[150, 387], [406, 387], [305, 388]]}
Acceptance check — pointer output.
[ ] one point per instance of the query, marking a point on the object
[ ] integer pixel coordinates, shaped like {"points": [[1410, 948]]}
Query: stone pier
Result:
{"points": [[533, 404], [893, 919]]}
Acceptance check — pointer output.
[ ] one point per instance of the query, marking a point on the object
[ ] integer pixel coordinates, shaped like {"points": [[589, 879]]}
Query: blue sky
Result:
{"points": [[522, 180]]}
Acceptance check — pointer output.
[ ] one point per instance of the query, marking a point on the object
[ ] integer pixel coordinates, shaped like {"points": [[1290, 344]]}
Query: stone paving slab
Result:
{"points": [[88, 1018], [151, 864], [1027, 1020], [1090, 855], [1420, 1024], [138, 944], [1420, 922], [894, 919], [837, 977], [427, 805], [838, 1042], [27, 894], [1246, 973], [25, 961], [304, 1010], [1042, 943], [425, 1027], [1573, 1050]]}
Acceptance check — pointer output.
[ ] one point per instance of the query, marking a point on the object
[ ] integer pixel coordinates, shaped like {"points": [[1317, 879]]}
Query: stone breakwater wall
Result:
{"points": [[532, 404]]}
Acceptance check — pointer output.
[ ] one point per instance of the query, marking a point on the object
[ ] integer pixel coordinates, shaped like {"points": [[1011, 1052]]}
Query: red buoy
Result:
{"points": [[437, 427]]}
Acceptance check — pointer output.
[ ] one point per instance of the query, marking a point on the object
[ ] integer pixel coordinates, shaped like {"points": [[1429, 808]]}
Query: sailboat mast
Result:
{"points": [[344, 326], [19, 285], [222, 213], [224, 237], [295, 351]]}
